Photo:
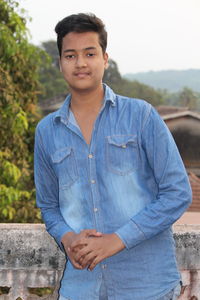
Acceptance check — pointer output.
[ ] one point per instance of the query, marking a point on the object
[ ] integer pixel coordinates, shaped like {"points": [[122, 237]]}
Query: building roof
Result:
{"points": [[167, 109], [52, 104], [174, 112], [181, 114], [195, 184]]}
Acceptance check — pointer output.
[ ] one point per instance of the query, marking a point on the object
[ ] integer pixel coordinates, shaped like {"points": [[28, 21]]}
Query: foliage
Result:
{"points": [[128, 88], [51, 48], [185, 98], [19, 87], [189, 98], [41, 291], [26, 74], [112, 75], [172, 80], [173, 83], [50, 77], [54, 85]]}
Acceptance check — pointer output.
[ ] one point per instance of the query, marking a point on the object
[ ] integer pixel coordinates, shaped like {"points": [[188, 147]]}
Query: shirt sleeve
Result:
{"points": [[47, 192], [174, 191]]}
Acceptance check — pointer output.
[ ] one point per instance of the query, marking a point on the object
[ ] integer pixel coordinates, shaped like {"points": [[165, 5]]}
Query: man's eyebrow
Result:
{"points": [[90, 48], [73, 50], [69, 50]]}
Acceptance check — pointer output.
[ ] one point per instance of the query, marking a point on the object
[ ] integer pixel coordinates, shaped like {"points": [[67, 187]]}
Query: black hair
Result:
{"points": [[81, 23]]}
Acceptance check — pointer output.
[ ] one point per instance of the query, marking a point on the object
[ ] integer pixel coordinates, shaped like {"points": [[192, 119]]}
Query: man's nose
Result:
{"points": [[81, 61]]}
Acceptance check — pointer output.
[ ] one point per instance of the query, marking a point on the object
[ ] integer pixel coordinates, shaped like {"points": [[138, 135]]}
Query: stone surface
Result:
{"points": [[187, 239], [28, 246], [30, 258]]}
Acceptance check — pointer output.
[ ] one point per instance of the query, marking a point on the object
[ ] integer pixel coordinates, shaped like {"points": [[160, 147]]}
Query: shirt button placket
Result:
{"points": [[94, 188], [104, 266]]}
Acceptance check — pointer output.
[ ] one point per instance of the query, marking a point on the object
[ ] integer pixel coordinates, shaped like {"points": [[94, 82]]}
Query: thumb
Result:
{"points": [[98, 233], [92, 232]]}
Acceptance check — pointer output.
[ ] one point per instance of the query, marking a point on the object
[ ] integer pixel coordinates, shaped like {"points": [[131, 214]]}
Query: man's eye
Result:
{"points": [[70, 56], [90, 54]]}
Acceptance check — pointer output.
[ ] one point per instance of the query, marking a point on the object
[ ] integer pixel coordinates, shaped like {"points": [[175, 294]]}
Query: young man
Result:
{"points": [[109, 179]]}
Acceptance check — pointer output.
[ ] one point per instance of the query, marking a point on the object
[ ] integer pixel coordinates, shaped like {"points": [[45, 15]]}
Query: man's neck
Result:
{"points": [[88, 101]]}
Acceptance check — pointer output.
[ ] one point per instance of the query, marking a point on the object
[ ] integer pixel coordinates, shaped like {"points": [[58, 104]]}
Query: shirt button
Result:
{"points": [[90, 156], [104, 266], [124, 146], [95, 209], [93, 181]]}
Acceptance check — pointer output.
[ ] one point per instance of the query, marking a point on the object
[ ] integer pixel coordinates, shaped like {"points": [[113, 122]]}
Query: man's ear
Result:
{"points": [[106, 64]]}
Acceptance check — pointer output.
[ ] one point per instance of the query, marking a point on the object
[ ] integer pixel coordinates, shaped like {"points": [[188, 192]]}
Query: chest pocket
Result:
{"points": [[122, 154], [65, 167]]}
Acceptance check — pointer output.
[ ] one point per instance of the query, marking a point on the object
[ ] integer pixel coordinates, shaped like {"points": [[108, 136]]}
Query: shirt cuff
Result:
{"points": [[58, 232], [130, 234]]}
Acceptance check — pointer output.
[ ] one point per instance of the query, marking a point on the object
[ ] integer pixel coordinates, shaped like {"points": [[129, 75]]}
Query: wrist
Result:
{"points": [[119, 243], [67, 239]]}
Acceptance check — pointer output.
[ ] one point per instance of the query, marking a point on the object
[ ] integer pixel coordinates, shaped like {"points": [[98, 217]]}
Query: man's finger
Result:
{"points": [[79, 243], [81, 253], [91, 232], [75, 263], [87, 260], [94, 263]]}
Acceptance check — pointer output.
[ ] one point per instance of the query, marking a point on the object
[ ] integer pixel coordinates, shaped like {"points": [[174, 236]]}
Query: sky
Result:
{"points": [[143, 35]]}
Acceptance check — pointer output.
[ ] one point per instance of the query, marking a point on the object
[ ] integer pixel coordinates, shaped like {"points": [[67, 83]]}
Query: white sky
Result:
{"points": [[143, 35]]}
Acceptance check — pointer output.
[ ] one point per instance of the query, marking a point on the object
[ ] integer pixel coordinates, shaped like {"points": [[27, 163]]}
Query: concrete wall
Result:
{"points": [[29, 258]]}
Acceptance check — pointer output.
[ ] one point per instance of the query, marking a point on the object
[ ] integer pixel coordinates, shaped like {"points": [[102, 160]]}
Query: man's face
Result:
{"points": [[82, 61]]}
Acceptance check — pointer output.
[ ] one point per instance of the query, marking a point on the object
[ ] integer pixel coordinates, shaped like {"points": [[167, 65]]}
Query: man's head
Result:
{"points": [[80, 23]]}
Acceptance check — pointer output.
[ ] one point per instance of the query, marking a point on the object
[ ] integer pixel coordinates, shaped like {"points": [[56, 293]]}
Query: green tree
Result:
{"points": [[112, 75], [51, 48], [188, 98], [133, 89], [139, 90], [50, 77], [19, 87]]}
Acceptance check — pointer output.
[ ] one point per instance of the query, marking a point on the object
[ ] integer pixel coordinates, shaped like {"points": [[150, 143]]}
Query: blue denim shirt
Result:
{"points": [[130, 180]]}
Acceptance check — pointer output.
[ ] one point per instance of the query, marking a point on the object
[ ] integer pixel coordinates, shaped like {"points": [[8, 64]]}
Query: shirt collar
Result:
{"points": [[63, 112]]}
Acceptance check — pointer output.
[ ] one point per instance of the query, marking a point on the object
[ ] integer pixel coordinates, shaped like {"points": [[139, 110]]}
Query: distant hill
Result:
{"points": [[171, 80]]}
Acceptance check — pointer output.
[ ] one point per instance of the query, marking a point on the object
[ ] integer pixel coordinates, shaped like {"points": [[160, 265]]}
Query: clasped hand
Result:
{"points": [[89, 247]]}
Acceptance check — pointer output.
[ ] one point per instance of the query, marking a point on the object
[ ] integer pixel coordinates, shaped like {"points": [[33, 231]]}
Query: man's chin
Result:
{"points": [[83, 88]]}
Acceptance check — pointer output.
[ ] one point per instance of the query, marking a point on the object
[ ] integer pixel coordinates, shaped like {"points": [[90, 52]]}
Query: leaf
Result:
{"points": [[19, 87]]}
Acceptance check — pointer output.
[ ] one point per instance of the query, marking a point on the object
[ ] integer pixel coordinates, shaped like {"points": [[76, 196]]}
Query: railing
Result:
{"points": [[30, 259]]}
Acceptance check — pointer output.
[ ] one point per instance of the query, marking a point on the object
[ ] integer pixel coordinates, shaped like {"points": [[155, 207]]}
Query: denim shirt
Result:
{"points": [[130, 180]]}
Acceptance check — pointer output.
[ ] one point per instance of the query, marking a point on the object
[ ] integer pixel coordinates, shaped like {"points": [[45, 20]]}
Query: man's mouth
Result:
{"points": [[82, 74]]}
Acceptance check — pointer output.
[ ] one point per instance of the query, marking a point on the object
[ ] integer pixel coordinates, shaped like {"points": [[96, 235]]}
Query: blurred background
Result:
{"points": [[153, 48]]}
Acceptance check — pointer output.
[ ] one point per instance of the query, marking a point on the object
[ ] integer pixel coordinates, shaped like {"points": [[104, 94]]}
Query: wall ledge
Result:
{"points": [[30, 258]]}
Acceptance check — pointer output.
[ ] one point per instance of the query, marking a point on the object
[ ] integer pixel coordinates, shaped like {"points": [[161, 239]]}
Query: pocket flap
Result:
{"points": [[61, 154], [122, 140]]}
